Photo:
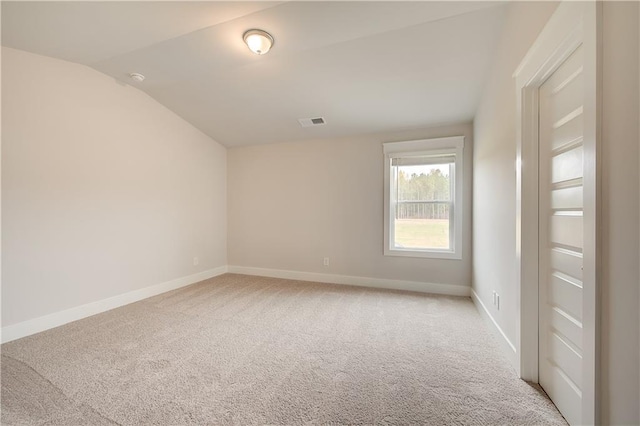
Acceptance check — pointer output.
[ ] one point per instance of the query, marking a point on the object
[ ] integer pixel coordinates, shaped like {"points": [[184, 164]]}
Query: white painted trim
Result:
{"points": [[508, 348], [36, 325], [449, 145], [423, 287], [573, 24], [559, 38]]}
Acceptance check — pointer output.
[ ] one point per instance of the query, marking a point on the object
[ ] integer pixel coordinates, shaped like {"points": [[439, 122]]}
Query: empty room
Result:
{"points": [[320, 212]]}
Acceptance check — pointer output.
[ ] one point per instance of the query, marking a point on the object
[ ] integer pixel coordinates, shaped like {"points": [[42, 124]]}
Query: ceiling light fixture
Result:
{"points": [[136, 77], [258, 41]]}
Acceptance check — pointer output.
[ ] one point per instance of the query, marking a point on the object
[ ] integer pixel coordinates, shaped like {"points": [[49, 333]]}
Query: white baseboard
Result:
{"points": [[36, 325], [447, 289], [507, 347]]}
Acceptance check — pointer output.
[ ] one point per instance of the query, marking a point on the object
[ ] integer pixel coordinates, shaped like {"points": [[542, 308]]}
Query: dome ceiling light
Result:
{"points": [[258, 41], [135, 76]]}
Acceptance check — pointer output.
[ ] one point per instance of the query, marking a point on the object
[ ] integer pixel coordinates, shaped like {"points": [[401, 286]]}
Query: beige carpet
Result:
{"points": [[247, 350]]}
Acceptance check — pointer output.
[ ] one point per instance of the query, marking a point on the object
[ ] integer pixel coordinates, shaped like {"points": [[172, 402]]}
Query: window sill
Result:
{"points": [[429, 254]]}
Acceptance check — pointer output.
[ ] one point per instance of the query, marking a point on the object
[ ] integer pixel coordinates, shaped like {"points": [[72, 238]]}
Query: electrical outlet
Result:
{"points": [[196, 261], [325, 262]]}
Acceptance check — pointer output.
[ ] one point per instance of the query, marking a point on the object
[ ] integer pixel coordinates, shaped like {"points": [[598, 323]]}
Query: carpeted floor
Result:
{"points": [[248, 350]]}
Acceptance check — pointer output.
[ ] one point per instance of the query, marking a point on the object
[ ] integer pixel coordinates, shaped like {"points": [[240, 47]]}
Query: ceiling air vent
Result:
{"points": [[310, 122]]}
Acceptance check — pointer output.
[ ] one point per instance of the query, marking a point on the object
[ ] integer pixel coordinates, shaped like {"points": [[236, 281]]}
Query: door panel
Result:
{"points": [[566, 231], [566, 324], [567, 166], [567, 198], [561, 236], [565, 295], [566, 261], [568, 132], [567, 357], [566, 396]]}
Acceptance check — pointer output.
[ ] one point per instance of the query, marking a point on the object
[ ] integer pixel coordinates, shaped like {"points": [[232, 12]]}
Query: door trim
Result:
{"points": [[572, 24]]}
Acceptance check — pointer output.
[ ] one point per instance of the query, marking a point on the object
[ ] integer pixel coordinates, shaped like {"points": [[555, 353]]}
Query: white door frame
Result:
{"points": [[573, 24]]}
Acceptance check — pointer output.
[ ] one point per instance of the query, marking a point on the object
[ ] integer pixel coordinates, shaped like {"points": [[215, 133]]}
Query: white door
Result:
{"points": [[561, 234]]}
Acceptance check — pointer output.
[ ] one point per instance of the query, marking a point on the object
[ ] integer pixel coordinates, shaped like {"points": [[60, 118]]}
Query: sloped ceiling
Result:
{"points": [[364, 66]]}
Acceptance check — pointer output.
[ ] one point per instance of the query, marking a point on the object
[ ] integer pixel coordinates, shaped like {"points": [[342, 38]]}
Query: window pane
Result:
{"points": [[423, 201], [423, 183], [422, 233]]}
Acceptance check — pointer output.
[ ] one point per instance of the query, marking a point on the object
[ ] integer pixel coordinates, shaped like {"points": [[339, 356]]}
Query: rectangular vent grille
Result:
{"points": [[311, 122]]}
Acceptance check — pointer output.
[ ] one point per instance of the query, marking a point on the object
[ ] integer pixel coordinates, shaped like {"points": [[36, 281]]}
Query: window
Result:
{"points": [[423, 198]]}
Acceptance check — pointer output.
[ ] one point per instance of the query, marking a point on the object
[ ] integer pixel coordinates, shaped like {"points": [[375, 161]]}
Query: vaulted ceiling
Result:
{"points": [[364, 66]]}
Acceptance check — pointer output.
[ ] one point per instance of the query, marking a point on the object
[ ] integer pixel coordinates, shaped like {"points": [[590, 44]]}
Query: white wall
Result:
{"points": [[292, 204], [621, 274], [104, 191], [494, 225], [494, 155]]}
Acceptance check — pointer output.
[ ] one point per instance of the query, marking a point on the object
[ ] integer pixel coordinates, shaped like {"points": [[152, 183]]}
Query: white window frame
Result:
{"points": [[440, 146]]}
